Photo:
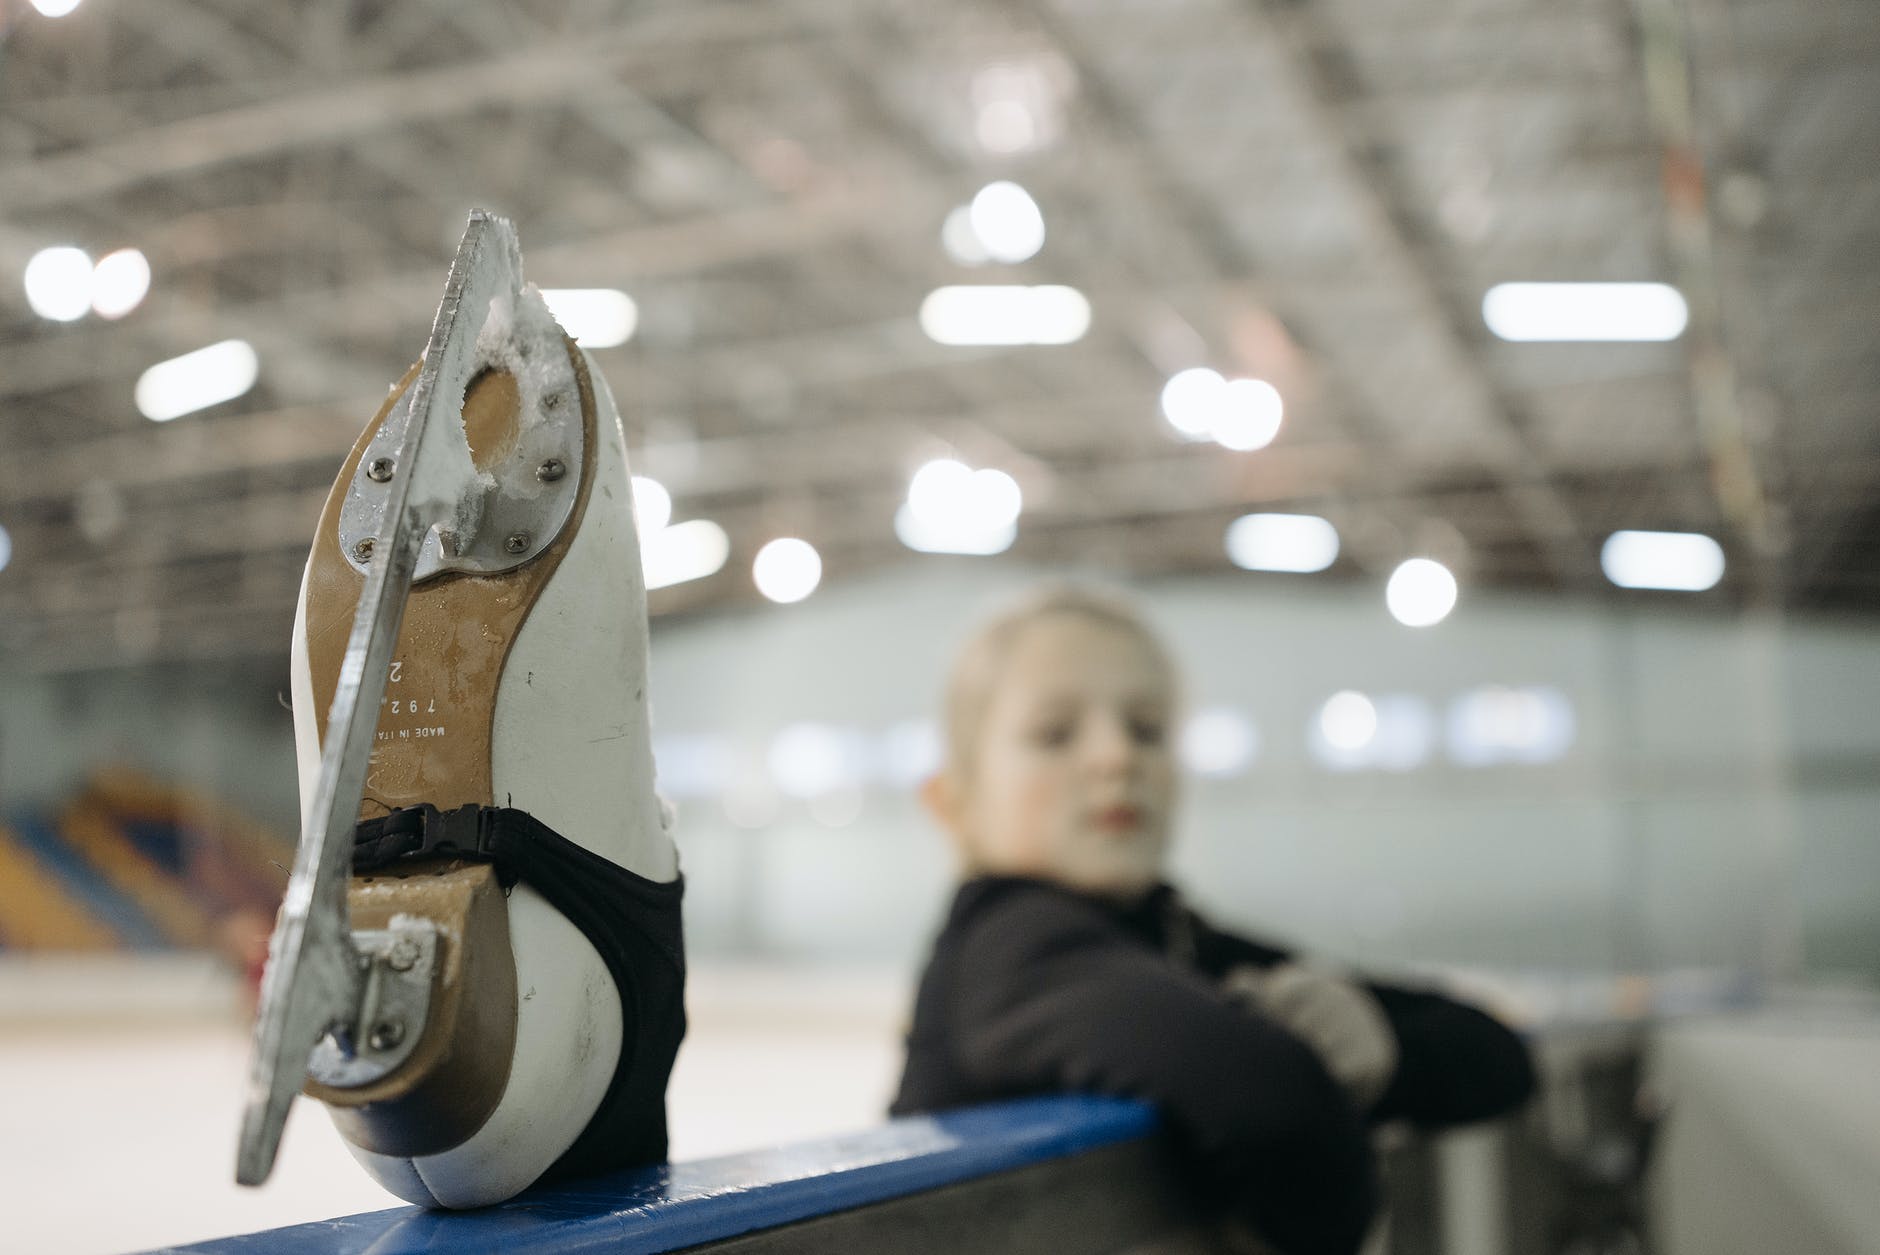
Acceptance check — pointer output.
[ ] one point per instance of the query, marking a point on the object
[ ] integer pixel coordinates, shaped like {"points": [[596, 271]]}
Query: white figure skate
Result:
{"points": [[494, 991]]}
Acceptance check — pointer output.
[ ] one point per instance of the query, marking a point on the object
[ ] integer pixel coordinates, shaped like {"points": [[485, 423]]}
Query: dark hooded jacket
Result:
{"points": [[1034, 987]]}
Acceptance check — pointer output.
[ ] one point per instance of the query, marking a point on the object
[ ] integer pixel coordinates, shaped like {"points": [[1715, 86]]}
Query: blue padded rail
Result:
{"points": [[673, 1206]]}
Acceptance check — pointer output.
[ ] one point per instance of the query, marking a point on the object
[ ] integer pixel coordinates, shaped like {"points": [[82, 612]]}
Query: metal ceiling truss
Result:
{"points": [[1317, 190]]}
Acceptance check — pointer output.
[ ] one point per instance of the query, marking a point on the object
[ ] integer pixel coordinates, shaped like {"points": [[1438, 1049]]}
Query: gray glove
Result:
{"points": [[1338, 1019]]}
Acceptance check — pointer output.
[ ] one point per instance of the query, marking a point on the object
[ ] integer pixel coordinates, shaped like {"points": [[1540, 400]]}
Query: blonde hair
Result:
{"points": [[981, 661]]}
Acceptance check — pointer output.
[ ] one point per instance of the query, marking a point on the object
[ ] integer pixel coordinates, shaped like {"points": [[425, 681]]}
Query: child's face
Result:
{"points": [[1073, 776]]}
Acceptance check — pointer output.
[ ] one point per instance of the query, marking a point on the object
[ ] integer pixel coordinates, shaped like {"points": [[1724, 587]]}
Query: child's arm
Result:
{"points": [[1052, 995], [1455, 1063]]}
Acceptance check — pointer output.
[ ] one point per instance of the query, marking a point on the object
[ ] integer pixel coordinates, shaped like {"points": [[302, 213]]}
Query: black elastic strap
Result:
{"points": [[632, 922]]}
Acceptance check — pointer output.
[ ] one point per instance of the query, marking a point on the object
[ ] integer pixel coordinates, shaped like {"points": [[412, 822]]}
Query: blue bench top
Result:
{"points": [[672, 1206]]}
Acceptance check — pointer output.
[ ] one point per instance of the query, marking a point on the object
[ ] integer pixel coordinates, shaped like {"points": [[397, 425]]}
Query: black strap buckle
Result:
{"points": [[421, 831]]}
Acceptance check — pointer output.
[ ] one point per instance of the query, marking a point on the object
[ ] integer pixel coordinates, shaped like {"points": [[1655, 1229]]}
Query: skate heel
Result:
{"points": [[443, 1091]]}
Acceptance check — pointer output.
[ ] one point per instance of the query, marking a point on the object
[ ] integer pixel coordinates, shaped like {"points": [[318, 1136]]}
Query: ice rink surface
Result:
{"points": [[119, 1130]]}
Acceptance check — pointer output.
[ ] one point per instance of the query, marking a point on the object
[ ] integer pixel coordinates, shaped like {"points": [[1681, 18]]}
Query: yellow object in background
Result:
{"points": [[161, 897], [36, 911]]}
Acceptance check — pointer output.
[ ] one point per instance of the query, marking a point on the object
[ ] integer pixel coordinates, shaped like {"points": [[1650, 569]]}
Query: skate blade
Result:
{"points": [[315, 980]]}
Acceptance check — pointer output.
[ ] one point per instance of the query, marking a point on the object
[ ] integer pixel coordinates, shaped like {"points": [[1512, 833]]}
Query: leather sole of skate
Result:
{"points": [[433, 745], [503, 690]]}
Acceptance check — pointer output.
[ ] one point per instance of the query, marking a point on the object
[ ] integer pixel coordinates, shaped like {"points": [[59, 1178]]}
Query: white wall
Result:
{"points": [[217, 727], [1720, 804]]}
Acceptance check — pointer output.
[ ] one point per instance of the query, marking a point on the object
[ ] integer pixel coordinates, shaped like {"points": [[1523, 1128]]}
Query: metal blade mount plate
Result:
{"points": [[529, 495]]}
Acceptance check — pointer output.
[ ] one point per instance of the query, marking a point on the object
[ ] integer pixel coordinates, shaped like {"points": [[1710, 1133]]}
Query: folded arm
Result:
{"points": [[1057, 999], [1455, 1064]]}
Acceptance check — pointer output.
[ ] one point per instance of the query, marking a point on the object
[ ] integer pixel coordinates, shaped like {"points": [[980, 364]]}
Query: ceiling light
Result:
{"points": [[1247, 415], [1189, 400], [952, 508], [936, 486], [923, 537], [1357, 732], [1019, 105], [959, 240], [949, 493], [1239, 414], [1421, 592], [1282, 542], [195, 381], [58, 283], [1496, 724], [787, 569], [652, 504], [809, 760], [1218, 743], [1007, 221], [1687, 562], [55, 8], [597, 318], [1348, 721], [1005, 314], [1585, 311], [684, 551], [1006, 126], [119, 282]]}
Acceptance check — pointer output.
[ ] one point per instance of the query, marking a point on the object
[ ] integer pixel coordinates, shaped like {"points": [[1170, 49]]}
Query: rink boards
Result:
{"points": [[1027, 1175]]}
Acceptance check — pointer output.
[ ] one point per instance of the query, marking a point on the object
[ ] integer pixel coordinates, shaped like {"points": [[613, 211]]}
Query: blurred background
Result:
{"points": [[1479, 394]]}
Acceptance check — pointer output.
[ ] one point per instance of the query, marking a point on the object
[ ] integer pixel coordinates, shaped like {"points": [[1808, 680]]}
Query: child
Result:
{"points": [[1066, 963]]}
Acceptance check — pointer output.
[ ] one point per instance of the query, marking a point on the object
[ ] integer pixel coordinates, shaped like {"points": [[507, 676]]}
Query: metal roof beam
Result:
{"points": [[1315, 87]]}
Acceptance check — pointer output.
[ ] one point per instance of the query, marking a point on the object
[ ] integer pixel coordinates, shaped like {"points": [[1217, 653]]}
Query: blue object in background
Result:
{"points": [[106, 904]]}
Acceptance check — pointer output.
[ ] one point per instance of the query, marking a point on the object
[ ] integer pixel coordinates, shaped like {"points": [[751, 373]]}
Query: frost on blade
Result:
{"points": [[487, 271], [522, 337]]}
